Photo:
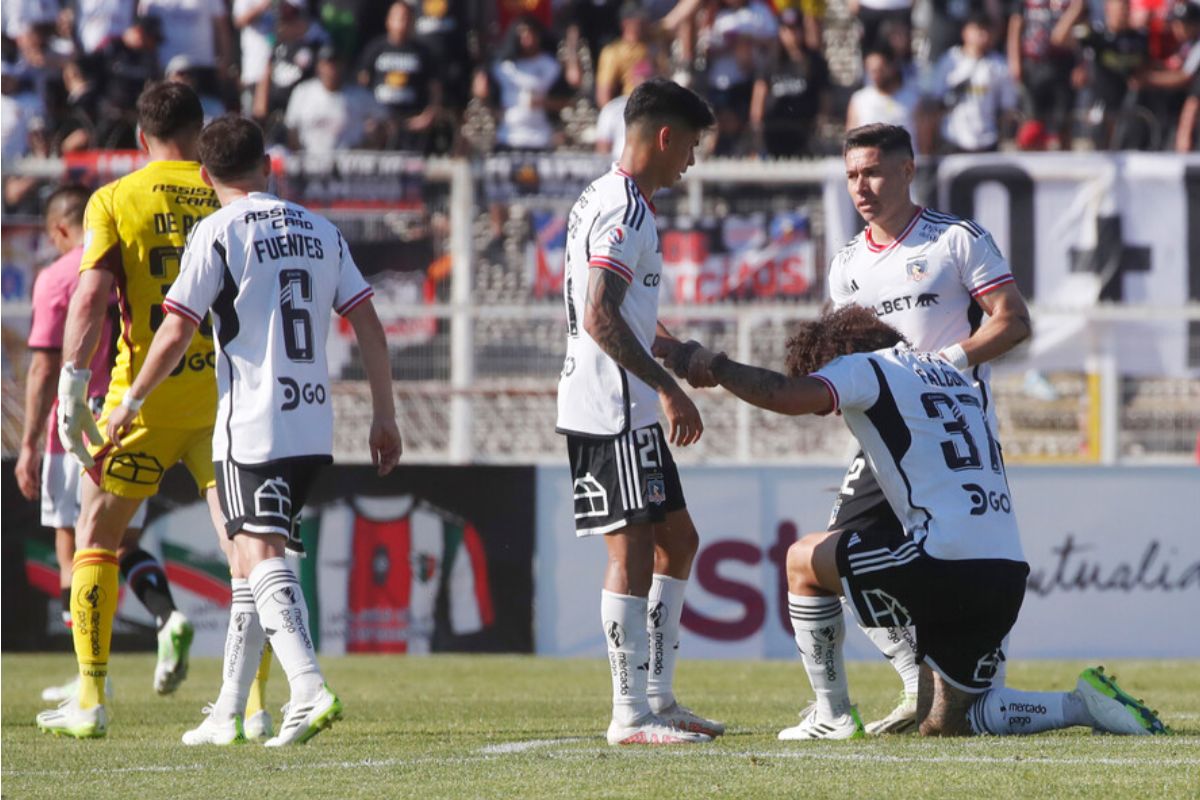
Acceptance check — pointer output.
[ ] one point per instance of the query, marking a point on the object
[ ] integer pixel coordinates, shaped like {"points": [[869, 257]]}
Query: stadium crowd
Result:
{"points": [[472, 76]]}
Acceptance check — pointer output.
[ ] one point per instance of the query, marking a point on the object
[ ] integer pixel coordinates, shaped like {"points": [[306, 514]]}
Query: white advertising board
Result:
{"points": [[1114, 556]]}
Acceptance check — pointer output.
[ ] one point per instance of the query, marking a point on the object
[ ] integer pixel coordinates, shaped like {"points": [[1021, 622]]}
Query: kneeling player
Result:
{"points": [[271, 272], [954, 568]]}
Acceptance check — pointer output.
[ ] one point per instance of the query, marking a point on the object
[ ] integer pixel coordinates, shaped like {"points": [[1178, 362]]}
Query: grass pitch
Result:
{"points": [[488, 727]]}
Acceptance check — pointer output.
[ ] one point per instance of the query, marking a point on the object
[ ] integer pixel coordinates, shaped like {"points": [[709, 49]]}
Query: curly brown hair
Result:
{"points": [[850, 329]]}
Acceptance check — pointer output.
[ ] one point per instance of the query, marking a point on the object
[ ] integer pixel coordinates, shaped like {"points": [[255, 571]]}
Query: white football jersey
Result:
{"points": [[610, 227], [974, 91], [924, 283], [271, 271], [926, 435]]}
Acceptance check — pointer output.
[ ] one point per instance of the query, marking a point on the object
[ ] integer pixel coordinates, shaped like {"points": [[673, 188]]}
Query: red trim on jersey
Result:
{"points": [[992, 285], [172, 307], [625, 174], [833, 392], [883, 248], [483, 592], [355, 301], [604, 262]]}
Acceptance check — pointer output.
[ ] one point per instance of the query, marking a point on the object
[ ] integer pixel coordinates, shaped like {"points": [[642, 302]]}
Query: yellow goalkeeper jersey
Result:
{"points": [[136, 228]]}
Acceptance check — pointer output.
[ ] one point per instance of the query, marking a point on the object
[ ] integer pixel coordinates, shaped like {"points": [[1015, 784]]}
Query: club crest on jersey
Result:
{"points": [[656, 491], [616, 237], [918, 269]]}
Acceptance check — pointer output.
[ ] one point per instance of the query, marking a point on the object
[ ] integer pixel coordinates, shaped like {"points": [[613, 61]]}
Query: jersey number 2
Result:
{"points": [[295, 287]]}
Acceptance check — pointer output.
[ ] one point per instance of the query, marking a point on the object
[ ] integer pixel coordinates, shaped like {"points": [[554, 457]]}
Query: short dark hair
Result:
{"points": [[660, 101], [890, 139], [68, 202], [231, 146], [166, 110], [839, 332], [980, 19]]}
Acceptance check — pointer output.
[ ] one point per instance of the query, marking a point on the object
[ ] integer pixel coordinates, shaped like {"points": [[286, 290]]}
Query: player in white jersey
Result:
{"points": [[932, 276], [271, 272], [626, 486], [957, 575]]}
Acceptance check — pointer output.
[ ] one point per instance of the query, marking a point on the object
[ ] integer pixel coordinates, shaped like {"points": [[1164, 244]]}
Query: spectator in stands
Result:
{"points": [[885, 97], [969, 94], [524, 76], [256, 21], [948, 18], [353, 23], [1165, 85], [82, 77], [99, 21], [620, 56], [743, 39], [198, 29], [403, 75], [130, 62], [896, 36], [812, 13], [293, 60], [42, 54], [873, 13], [1118, 57], [442, 27], [181, 70], [20, 111], [325, 113], [610, 125], [791, 93], [1037, 61]]}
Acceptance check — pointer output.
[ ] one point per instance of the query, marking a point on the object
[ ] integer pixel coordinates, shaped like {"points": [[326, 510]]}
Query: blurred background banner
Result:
{"points": [[428, 560], [1103, 584]]}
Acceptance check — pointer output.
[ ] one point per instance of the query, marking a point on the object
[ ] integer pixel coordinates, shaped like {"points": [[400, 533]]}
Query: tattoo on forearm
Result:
{"points": [[605, 292], [762, 387]]}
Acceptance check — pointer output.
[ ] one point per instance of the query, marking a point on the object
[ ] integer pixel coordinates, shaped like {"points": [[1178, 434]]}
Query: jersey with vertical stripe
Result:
{"points": [[610, 227], [271, 271], [923, 428], [924, 284], [135, 228]]}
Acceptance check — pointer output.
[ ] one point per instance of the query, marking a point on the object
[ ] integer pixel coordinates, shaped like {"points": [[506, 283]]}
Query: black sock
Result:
{"points": [[66, 605], [146, 578]]}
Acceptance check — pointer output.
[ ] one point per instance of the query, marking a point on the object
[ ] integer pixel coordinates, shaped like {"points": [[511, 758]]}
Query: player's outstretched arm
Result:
{"points": [[81, 335], [170, 344], [384, 438], [1008, 324], [763, 387], [603, 322]]}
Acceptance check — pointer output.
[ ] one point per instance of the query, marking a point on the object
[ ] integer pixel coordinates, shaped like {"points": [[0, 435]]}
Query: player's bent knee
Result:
{"points": [[800, 558]]}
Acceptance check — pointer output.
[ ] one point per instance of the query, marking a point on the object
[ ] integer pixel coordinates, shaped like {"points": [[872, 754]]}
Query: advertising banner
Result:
{"points": [[429, 559], [1113, 554]]}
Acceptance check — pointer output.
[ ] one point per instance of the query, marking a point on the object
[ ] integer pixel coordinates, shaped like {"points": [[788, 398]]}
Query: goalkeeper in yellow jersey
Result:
{"points": [[135, 229]]}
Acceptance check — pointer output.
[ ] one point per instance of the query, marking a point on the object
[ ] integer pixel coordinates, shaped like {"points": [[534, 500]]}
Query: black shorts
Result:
{"points": [[860, 504], [266, 498], [962, 610], [626, 480]]}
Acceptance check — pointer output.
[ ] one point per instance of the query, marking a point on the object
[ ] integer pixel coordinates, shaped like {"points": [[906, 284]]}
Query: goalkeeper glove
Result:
{"points": [[74, 416]]}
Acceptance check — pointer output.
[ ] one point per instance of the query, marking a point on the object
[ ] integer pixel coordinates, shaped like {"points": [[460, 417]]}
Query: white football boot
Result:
{"points": [[302, 721], [901, 719], [174, 644], [1112, 709], [71, 720], [214, 730], [812, 726], [652, 730], [682, 718], [258, 726]]}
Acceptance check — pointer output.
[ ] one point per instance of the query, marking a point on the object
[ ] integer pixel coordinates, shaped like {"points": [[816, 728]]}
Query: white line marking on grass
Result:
{"points": [[506, 748]]}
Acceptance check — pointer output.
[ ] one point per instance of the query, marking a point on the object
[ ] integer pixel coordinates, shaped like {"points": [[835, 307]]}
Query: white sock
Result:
{"points": [[665, 607], [243, 650], [820, 631], [284, 618], [1008, 712], [899, 644], [624, 619]]}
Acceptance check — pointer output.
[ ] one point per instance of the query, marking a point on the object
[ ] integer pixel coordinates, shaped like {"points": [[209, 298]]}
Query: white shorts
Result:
{"points": [[61, 492]]}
